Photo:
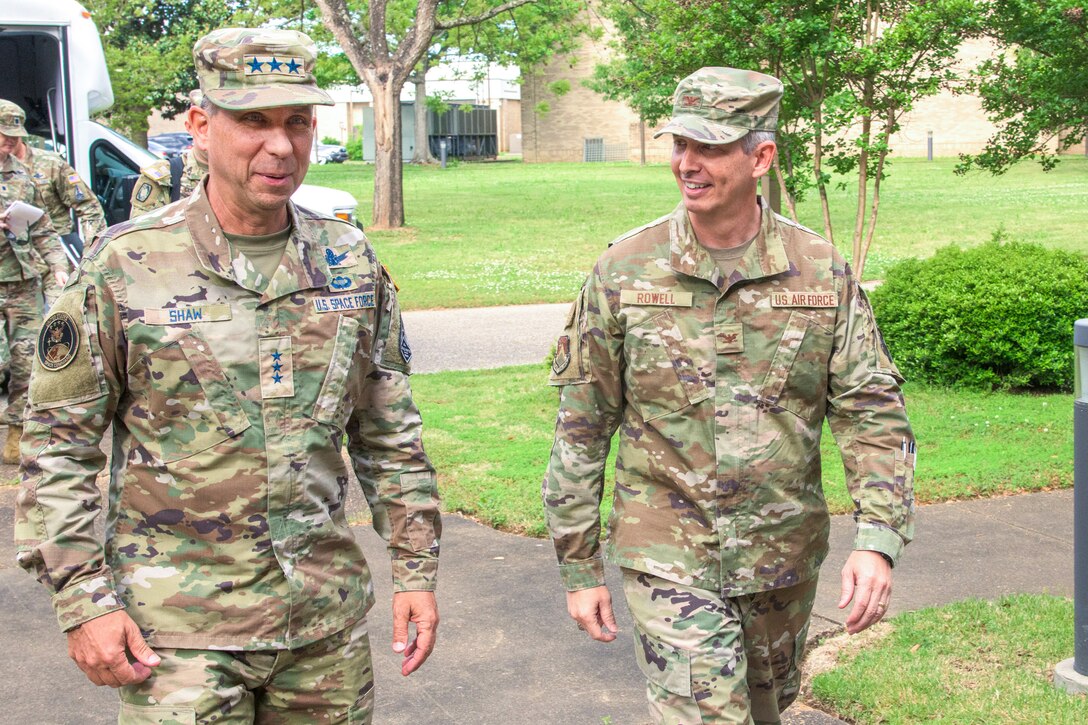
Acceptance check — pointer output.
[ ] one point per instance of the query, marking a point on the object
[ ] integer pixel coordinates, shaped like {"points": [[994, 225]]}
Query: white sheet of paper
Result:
{"points": [[21, 215]]}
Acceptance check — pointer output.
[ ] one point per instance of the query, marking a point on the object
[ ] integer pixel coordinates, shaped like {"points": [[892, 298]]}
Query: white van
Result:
{"points": [[55, 68]]}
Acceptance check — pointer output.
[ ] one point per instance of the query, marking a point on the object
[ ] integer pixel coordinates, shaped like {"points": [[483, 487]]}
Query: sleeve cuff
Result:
{"points": [[85, 601], [881, 539], [415, 574], [582, 574]]}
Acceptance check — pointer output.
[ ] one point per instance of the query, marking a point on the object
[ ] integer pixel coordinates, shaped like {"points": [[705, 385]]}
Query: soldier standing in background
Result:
{"points": [[235, 344], [62, 189], [718, 339], [168, 180], [31, 262]]}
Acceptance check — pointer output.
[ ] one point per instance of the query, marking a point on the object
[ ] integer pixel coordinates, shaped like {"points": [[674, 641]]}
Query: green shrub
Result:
{"points": [[999, 315], [354, 147], [331, 141]]}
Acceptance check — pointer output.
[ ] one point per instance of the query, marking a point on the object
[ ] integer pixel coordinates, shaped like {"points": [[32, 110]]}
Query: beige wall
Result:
{"points": [[957, 122], [559, 133]]}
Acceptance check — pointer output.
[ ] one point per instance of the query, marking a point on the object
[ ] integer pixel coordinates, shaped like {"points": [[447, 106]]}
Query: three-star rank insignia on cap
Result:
{"points": [[282, 65], [58, 341], [562, 354]]}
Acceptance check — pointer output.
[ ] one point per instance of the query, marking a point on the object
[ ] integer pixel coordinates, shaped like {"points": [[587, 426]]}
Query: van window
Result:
{"points": [[114, 178]]}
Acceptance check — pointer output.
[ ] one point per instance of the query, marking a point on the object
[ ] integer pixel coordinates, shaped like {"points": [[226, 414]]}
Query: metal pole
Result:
{"points": [[929, 145], [1072, 674], [442, 151], [1080, 499]]}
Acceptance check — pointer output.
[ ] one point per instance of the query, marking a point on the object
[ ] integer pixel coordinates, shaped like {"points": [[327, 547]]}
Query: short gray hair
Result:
{"points": [[207, 106], [750, 140]]}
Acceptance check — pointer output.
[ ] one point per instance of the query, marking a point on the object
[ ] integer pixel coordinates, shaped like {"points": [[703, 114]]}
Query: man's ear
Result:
{"points": [[764, 158], [196, 121]]}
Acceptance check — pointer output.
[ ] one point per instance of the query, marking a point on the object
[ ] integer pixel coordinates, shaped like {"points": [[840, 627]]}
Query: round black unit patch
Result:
{"points": [[58, 342]]}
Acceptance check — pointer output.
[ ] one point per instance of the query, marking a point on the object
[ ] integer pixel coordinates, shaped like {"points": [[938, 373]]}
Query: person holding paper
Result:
{"points": [[31, 262]]}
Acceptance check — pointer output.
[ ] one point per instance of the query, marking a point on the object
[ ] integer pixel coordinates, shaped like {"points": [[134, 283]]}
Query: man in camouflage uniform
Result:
{"points": [[153, 188], [62, 189], [236, 344], [717, 339], [31, 260]]}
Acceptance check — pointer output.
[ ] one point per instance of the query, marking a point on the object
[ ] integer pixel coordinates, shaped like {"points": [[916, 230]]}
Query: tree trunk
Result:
{"points": [[388, 162], [791, 206], [421, 154], [817, 168], [859, 268]]}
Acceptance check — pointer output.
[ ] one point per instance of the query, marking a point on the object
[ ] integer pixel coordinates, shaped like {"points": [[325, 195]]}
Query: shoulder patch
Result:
{"points": [[65, 370], [158, 171], [568, 365], [58, 341], [143, 192]]}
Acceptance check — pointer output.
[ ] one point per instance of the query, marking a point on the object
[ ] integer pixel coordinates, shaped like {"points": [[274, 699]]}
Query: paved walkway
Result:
{"points": [[506, 647]]}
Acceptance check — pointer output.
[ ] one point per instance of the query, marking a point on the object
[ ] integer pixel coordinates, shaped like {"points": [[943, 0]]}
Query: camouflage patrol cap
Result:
{"points": [[721, 105], [243, 68], [12, 119]]}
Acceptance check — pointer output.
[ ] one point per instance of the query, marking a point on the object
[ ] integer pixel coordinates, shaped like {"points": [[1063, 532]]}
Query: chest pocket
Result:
{"points": [[335, 400], [661, 377], [183, 403], [797, 378]]}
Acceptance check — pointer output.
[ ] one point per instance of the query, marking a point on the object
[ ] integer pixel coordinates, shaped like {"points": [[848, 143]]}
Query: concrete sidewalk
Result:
{"points": [[506, 645]]}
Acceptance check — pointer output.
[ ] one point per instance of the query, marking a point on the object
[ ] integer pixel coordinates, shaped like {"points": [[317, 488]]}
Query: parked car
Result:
{"points": [[169, 145], [331, 154]]}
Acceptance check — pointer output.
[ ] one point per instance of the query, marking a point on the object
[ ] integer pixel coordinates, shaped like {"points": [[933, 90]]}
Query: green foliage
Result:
{"points": [[439, 102], [560, 87], [149, 46], [354, 147], [1036, 88], [996, 316], [970, 662], [330, 140]]}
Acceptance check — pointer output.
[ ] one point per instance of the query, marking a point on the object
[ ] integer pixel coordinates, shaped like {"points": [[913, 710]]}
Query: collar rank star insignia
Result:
{"points": [[562, 355], [58, 341]]}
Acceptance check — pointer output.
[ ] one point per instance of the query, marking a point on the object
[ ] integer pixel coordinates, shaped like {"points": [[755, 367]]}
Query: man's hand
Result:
{"points": [[99, 646], [61, 276], [421, 608], [867, 579], [592, 610]]}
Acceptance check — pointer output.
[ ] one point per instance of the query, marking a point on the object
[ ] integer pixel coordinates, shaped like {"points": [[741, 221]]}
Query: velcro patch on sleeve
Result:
{"points": [[65, 371], [568, 367]]}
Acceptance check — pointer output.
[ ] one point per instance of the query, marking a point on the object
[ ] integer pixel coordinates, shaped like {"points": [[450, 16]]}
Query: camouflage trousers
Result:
{"points": [[329, 681], [709, 659], [22, 306]]}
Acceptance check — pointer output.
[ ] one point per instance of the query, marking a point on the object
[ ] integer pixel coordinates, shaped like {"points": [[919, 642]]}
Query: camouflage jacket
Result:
{"points": [[230, 408], [152, 189], [29, 256], [62, 189], [719, 388]]}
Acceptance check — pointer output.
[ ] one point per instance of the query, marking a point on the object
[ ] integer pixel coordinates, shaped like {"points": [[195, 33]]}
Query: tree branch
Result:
{"points": [[474, 19], [338, 20]]}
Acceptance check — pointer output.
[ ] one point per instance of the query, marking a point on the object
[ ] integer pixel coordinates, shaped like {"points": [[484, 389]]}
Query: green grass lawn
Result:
{"points": [[973, 662], [512, 233], [489, 434]]}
